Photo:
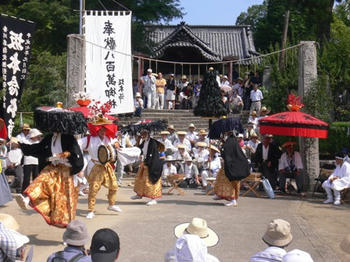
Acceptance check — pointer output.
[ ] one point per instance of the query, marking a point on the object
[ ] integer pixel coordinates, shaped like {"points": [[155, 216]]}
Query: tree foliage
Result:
{"points": [[55, 19]]}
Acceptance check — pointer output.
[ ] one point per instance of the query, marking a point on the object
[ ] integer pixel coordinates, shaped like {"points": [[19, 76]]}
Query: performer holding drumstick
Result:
{"points": [[102, 133]]}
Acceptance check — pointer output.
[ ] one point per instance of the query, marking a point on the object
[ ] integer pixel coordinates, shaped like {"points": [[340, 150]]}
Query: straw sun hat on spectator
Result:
{"points": [[214, 148], [171, 127], [181, 133], [278, 233], [9, 221], [165, 133], [203, 132], [201, 144], [199, 227]]}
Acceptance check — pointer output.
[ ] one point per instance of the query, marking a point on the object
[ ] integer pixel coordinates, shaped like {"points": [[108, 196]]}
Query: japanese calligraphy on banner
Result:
{"points": [[16, 41], [108, 59]]}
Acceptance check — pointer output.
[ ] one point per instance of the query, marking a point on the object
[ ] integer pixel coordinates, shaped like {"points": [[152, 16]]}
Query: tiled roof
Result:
{"points": [[217, 43]]}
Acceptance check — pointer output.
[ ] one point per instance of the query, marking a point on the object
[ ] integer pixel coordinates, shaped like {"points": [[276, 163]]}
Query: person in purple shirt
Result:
{"points": [[76, 237]]}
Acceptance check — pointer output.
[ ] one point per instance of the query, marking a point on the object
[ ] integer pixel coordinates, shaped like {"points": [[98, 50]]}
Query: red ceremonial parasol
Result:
{"points": [[294, 123]]}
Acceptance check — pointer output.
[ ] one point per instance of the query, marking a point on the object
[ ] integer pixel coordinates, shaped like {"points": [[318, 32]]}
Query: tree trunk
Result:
{"points": [[284, 39]]}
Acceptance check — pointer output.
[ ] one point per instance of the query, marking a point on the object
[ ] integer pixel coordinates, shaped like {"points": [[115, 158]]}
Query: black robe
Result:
{"points": [[235, 163], [152, 160], [42, 151]]}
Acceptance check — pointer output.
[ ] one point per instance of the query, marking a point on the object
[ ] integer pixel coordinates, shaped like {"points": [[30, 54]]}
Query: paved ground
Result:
{"points": [[147, 232]]}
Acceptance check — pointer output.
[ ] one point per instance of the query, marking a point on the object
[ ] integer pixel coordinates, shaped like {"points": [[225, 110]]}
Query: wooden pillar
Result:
{"points": [[230, 74]]}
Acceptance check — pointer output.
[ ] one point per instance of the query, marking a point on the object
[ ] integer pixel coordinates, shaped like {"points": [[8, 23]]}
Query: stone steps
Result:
{"points": [[179, 118]]}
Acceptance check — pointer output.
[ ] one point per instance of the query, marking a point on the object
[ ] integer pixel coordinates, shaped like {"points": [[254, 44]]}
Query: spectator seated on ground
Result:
{"points": [[183, 140], [191, 174], [169, 148], [277, 236], [212, 166], [105, 246], [338, 180], [180, 155], [290, 166], [191, 134], [12, 243], [202, 136], [76, 237], [168, 169], [201, 154], [297, 255]]}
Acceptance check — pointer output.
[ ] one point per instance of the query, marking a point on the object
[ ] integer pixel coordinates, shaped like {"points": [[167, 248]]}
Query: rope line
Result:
{"points": [[191, 63]]}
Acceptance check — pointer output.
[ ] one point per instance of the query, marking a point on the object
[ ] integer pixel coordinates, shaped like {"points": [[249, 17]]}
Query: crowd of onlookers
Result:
{"points": [[153, 91], [194, 238]]}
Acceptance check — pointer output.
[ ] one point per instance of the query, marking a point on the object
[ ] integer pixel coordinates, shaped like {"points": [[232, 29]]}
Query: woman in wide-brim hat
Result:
{"points": [[53, 194], [199, 227]]}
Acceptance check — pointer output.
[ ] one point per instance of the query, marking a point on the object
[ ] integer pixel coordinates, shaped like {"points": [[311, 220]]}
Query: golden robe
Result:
{"points": [[53, 195], [226, 189], [143, 186]]}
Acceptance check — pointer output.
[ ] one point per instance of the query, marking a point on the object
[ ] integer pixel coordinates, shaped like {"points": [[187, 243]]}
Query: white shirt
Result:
{"points": [[186, 142], [92, 148], [254, 120], [191, 136], [284, 161], [23, 139], [56, 148], [256, 95], [138, 103], [253, 145], [265, 151], [145, 147], [201, 156], [215, 166], [30, 160], [274, 254], [343, 172], [178, 156], [149, 83], [166, 142], [168, 170]]}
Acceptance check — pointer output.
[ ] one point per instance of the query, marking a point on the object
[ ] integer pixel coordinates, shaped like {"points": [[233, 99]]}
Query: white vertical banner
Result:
{"points": [[108, 59]]}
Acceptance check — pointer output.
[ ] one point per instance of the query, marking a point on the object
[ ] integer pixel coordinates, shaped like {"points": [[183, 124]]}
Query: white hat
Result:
{"points": [[191, 125], [34, 132], [297, 255], [137, 94], [169, 159], [278, 233], [188, 158], [225, 77], [189, 248], [149, 70], [199, 227], [9, 221], [240, 135]]}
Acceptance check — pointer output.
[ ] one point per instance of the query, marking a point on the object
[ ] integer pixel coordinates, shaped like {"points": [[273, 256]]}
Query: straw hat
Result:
{"points": [[165, 133], [76, 234], [137, 94], [191, 125], [268, 135], [345, 244], [253, 113], [26, 126], [199, 227], [214, 148], [254, 135], [181, 133], [297, 255], [34, 133], [202, 132], [265, 110], [278, 233], [188, 159], [182, 146], [149, 70], [289, 143], [201, 144], [9, 221], [169, 159], [184, 77], [171, 127], [101, 121]]}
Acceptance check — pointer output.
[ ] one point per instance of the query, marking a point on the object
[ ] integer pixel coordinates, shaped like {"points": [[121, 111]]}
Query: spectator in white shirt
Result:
{"points": [[255, 96], [253, 143], [290, 166], [168, 169], [169, 148], [236, 103], [30, 164], [212, 166], [191, 134], [190, 171], [183, 140], [253, 119], [149, 89]]}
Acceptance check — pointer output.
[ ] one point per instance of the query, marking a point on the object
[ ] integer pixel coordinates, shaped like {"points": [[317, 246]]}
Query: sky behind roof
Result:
{"points": [[211, 12]]}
